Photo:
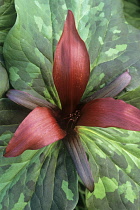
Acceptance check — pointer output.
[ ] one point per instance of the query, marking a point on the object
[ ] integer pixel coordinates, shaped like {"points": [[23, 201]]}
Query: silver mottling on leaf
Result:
{"points": [[99, 190], [110, 184], [39, 21], [69, 194], [116, 50], [128, 191]]}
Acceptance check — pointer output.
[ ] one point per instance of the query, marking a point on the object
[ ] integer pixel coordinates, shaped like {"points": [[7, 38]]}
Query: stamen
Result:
{"points": [[71, 119]]}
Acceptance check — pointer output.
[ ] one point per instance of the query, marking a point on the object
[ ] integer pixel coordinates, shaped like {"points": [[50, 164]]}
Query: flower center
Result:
{"points": [[70, 121]]}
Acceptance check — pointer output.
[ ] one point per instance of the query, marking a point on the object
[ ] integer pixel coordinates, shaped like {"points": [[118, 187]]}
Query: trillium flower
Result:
{"points": [[47, 123]]}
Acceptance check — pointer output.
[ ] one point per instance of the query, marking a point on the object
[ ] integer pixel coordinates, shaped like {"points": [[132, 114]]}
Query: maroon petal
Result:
{"points": [[71, 66], [37, 130], [108, 112], [112, 89]]}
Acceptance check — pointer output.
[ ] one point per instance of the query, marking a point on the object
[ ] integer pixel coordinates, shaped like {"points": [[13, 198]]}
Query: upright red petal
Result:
{"points": [[37, 130], [108, 112], [71, 66]]}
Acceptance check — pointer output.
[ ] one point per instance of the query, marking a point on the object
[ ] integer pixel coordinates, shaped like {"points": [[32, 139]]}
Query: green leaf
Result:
{"points": [[113, 45], [28, 49], [114, 157], [4, 82], [11, 115], [132, 97], [7, 17], [132, 12], [58, 174], [32, 180]]}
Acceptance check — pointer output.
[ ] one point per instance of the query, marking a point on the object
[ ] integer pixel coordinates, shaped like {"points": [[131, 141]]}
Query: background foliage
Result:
{"points": [[46, 178], [132, 12]]}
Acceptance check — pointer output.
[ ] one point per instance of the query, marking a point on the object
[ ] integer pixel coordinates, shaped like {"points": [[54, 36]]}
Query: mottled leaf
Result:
{"points": [[11, 115], [31, 181], [115, 163], [57, 183], [28, 49], [112, 44]]}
